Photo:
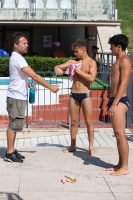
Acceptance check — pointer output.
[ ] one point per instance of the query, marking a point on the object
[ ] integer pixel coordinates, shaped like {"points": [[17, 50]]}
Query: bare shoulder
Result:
{"points": [[72, 61], [65, 65], [91, 62], [125, 61]]}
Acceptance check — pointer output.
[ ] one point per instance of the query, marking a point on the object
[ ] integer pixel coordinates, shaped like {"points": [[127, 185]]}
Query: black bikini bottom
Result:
{"points": [[124, 100], [80, 96]]}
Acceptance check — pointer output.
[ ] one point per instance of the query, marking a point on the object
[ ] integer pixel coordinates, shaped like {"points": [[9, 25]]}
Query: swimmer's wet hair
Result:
{"points": [[119, 39], [80, 44]]}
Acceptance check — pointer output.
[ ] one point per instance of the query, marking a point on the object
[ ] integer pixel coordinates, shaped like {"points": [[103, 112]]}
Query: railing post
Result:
{"points": [[27, 113], [74, 9], [130, 96], [33, 8], [113, 9]]}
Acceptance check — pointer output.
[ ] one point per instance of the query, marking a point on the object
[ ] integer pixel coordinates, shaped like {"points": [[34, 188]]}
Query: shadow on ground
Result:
{"points": [[129, 137], [90, 159], [9, 196], [3, 151], [82, 154]]}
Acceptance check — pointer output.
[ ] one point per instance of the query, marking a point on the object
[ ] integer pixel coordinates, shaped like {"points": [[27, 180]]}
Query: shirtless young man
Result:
{"points": [[81, 94], [118, 103]]}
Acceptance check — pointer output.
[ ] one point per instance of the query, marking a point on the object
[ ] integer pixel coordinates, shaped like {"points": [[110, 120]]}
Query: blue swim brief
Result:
{"points": [[124, 100], [80, 96]]}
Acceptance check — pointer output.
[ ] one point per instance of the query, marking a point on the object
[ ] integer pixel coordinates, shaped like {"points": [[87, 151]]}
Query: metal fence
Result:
{"points": [[51, 108], [130, 96]]}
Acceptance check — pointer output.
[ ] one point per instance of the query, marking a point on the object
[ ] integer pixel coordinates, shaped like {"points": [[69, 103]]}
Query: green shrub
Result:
{"points": [[4, 70], [36, 63]]}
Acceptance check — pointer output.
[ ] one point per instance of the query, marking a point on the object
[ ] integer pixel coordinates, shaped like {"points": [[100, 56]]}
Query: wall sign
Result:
{"points": [[92, 37], [47, 41]]}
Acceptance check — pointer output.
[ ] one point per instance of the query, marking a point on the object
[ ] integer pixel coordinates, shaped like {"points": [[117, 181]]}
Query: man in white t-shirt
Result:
{"points": [[17, 93]]}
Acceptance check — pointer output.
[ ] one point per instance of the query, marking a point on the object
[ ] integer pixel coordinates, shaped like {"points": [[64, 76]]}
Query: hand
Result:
{"points": [[112, 110], [77, 70], [58, 71], [30, 84], [54, 88], [35, 88]]}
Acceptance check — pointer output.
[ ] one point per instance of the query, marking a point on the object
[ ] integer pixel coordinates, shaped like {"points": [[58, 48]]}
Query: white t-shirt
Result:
{"points": [[18, 87]]}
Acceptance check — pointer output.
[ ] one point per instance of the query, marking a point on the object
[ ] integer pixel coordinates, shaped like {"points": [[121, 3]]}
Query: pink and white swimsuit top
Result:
{"points": [[70, 70]]}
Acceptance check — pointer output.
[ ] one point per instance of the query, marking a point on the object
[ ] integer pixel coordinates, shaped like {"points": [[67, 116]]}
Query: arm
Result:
{"points": [[125, 73], [27, 70], [92, 72], [59, 68]]}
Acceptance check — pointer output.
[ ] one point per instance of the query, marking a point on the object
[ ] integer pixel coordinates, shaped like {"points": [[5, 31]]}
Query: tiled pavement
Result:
{"points": [[61, 137], [39, 177]]}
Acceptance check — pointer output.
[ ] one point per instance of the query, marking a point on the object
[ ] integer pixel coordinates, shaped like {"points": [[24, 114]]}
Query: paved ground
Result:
{"points": [[39, 177]]}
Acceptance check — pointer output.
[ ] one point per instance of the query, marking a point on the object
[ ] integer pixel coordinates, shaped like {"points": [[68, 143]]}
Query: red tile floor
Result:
{"points": [[97, 124], [63, 125]]}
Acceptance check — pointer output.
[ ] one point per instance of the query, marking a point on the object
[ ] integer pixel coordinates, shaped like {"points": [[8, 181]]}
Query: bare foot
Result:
{"points": [[116, 167], [69, 150], [91, 151], [120, 172]]}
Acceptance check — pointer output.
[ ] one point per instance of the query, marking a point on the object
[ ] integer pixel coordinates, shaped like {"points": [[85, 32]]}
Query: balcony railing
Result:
{"points": [[57, 10]]}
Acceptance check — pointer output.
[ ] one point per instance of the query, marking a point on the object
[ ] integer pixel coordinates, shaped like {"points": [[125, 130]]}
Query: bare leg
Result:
{"points": [[10, 141], [87, 110], [74, 108], [118, 122], [115, 167]]}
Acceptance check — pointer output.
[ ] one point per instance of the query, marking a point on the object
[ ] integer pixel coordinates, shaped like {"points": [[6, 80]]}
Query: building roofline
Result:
{"points": [[61, 22]]}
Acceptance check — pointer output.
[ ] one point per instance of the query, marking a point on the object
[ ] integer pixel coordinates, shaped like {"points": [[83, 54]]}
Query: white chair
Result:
{"points": [[23, 4], [8, 10], [39, 9], [51, 4], [65, 4], [51, 9], [39, 4], [65, 9], [9, 4], [23, 9]]}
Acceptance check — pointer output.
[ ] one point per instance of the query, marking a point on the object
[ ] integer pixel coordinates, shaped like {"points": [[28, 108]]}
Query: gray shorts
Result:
{"points": [[16, 112]]}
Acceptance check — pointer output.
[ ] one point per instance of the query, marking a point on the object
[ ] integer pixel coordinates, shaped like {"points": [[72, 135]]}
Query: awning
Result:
{"points": [[60, 22]]}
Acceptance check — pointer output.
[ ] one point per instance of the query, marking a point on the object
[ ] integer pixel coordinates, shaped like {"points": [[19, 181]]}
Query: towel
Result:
{"points": [[70, 70]]}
